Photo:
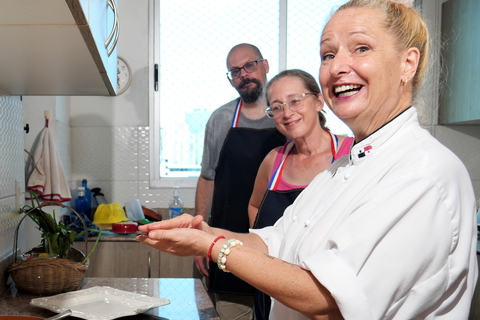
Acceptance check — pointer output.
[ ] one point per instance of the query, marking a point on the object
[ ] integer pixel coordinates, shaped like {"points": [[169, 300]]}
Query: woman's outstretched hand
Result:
{"points": [[183, 221], [182, 236]]}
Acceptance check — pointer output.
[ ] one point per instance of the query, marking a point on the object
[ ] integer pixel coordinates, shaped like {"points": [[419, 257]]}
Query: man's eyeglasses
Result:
{"points": [[249, 67], [294, 103]]}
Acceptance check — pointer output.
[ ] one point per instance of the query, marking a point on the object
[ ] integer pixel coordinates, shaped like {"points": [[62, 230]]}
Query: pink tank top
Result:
{"points": [[282, 184]]}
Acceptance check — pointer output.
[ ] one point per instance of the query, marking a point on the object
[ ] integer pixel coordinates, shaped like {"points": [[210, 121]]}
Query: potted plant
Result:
{"points": [[54, 266], [57, 238]]}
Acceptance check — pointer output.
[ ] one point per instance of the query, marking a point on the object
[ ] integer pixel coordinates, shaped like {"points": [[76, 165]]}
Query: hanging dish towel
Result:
{"points": [[49, 180]]}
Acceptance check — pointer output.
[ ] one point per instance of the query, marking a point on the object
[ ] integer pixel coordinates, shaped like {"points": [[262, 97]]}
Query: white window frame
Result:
{"points": [[154, 99]]}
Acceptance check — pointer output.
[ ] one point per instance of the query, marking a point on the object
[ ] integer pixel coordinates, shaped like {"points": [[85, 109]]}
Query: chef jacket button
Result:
{"points": [[307, 222], [346, 176], [294, 218]]}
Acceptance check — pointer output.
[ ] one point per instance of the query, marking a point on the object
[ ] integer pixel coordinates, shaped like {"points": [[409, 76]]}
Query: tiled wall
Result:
{"points": [[116, 159], [11, 170]]}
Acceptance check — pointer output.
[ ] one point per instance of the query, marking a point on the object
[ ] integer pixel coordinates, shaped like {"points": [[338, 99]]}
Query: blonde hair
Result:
{"points": [[407, 27]]}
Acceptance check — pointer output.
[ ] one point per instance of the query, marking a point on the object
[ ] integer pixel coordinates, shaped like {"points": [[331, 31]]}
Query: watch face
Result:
{"points": [[124, 75]]}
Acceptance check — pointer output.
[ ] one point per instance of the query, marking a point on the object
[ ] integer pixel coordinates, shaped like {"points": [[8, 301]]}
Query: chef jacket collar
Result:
{"points": [[367, 146]]}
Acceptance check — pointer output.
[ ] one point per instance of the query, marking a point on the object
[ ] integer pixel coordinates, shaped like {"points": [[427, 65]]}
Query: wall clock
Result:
{"points": [[124, 75]]}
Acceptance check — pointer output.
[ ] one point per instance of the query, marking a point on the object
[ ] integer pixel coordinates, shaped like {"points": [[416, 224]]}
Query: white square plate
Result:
{"points": [[100, 303]]}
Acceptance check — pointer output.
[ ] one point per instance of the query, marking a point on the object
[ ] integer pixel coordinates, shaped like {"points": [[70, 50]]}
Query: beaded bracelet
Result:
{"points": [[211, 247], [225, 251]]}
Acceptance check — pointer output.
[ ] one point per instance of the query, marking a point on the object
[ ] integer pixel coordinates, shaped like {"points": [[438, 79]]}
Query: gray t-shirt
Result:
{"points": [[217, 129]]}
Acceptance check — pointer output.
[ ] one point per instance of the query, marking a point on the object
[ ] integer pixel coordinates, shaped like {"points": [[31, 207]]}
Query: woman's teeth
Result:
{"points": [[290, 123], [347, 90]]}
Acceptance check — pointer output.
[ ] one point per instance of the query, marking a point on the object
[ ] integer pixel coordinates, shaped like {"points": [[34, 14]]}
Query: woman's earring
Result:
{"points": [[405, 83]]}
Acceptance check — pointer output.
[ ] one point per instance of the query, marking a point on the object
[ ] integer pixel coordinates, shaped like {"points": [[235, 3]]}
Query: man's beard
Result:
{"points": [[252, 95]]}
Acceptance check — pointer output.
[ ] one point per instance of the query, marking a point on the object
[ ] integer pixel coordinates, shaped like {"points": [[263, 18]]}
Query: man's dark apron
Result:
{"points": [[242, 153], [271, 209]]}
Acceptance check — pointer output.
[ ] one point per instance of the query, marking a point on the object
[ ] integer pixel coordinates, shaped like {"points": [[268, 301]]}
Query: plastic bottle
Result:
{"points": [[175, 208], [88, 196], [81, 202], [99, 197]]}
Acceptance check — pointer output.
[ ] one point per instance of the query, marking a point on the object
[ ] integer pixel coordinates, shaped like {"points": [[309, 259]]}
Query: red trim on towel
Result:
{"points": [[46, 197]]}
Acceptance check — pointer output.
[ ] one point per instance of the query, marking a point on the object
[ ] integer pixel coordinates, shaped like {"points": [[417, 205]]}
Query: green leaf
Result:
{"points": [[94, 246], [57, 236]]}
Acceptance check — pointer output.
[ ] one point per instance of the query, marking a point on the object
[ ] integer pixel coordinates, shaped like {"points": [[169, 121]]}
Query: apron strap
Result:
{"points": [[334, 145], [275, 180], [236, 115], [278, 172]]}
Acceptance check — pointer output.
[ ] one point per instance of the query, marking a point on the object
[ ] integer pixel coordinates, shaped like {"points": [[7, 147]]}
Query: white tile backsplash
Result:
{"points": [[105, 153], [11, 169], [9, 220], [11, 144], [116, 159], [115, 190], [143, 153]]}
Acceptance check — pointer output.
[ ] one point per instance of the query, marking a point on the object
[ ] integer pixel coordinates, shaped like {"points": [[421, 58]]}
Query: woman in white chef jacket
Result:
{"points": [[387, 233]]}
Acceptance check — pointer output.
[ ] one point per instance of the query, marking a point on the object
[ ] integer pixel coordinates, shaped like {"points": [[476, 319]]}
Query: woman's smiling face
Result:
{"points": [[360, 73], [295, 124]]}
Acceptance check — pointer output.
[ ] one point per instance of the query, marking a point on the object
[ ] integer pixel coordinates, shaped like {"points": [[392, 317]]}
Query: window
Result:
{"points": [[191, 43]]}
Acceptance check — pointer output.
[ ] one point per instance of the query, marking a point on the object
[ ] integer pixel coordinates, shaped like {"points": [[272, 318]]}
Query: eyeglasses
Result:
{"points": [[294, 103], [249, 67]]}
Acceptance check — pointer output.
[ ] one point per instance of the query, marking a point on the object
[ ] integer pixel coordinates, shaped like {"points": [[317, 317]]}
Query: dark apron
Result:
{"points": [[275, 201], [273, 205], [242, 153], [271, 209]]}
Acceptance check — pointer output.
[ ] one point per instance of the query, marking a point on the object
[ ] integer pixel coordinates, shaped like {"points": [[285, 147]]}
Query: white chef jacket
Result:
{"points": [[390, 231]]}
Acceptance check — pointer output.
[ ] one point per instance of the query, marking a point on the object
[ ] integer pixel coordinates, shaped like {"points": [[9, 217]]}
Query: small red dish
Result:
{"points": [[125, 227]]}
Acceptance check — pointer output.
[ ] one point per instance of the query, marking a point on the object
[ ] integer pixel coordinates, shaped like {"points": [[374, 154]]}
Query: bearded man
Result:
{"points": [[238, 136]]}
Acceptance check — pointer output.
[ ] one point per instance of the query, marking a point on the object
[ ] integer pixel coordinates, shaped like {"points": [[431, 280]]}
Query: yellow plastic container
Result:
{"points": [[108, 214]]}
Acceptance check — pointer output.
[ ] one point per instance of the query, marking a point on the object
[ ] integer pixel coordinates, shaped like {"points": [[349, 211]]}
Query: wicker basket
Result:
{"points": [[49, 276]]}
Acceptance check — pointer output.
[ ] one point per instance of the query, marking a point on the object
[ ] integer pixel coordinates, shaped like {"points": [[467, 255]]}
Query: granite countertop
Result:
{"points": [[188, 297]]}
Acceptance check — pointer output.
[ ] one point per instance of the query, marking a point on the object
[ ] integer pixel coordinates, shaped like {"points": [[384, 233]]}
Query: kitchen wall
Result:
{"points": [[11, 170], [110, 135]]}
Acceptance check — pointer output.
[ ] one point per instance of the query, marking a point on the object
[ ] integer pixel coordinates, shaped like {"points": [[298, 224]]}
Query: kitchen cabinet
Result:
{"points": [[58, 47], [459, 100], [123, 257], [175, 267]]}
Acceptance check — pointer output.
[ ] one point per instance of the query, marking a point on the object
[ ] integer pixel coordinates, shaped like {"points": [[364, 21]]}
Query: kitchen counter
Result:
{"points": [[188, 298], [113, 237]]}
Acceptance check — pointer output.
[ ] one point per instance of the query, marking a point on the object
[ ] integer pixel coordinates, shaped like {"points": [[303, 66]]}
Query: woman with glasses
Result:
{"points": [[295, 104]]}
